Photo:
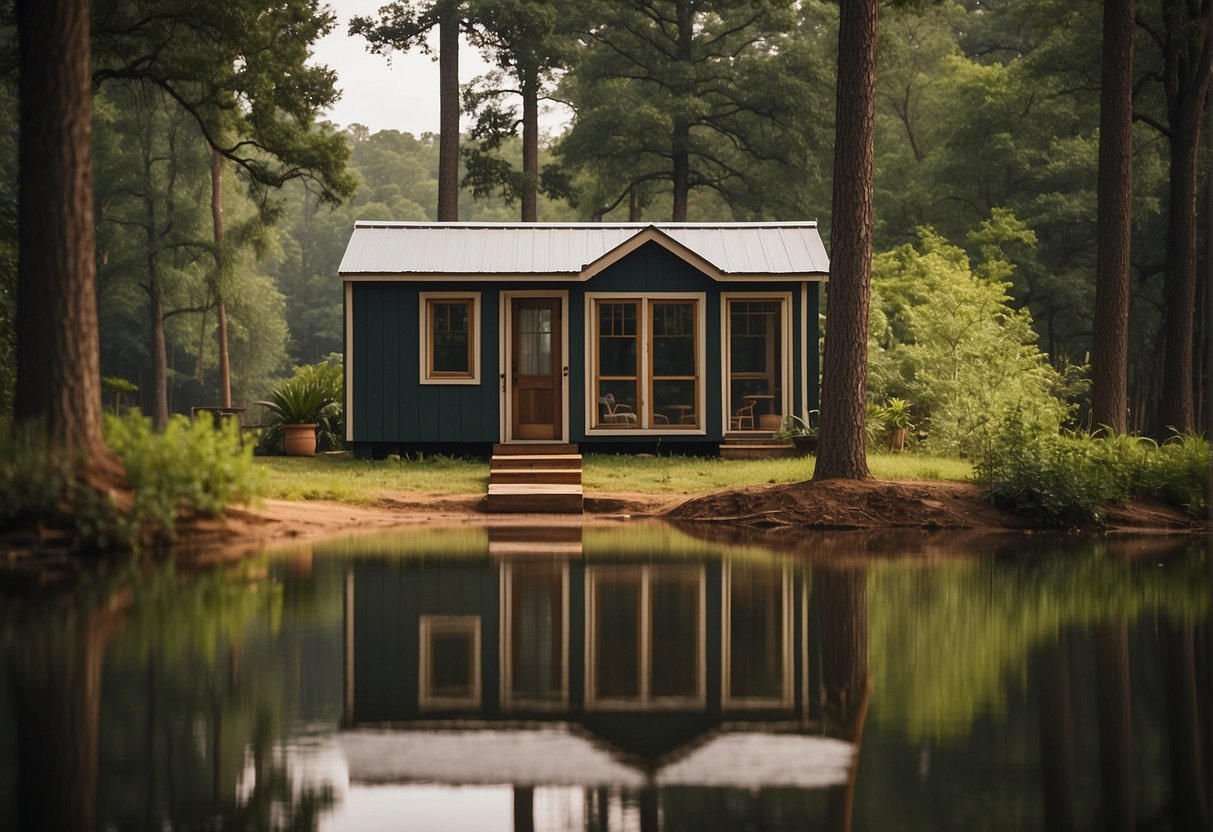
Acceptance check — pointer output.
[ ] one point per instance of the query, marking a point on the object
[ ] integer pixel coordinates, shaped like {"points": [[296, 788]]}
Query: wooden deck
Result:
{"points": [[544, 479], [754, 444]]}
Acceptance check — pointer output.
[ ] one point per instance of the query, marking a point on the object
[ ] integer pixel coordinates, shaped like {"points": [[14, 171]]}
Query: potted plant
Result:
{"points": [[897, 417], [800, 432], [297, 409]]}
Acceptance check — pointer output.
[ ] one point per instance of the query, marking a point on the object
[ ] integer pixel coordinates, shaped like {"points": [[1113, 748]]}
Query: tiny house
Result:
{"points": [[460, 335]]}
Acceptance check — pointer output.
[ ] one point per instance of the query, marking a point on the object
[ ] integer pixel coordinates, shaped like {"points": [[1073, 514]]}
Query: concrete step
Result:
{"points": [[534, 449], [756, 451], [563, 476], [535, 461], [534, 498]]}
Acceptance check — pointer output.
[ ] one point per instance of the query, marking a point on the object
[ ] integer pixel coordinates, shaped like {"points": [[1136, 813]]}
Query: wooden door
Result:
{"points": [[537, 368]]}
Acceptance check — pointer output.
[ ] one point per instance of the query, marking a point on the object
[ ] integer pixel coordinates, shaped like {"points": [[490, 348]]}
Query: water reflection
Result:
{"points": [[621, 678]]}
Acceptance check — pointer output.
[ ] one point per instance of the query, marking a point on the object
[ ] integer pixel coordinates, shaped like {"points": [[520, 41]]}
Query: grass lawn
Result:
{"points": [[355, 481]]}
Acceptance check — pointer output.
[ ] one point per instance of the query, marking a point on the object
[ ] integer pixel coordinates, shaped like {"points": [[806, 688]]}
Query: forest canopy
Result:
{"points": [[987, 133]]}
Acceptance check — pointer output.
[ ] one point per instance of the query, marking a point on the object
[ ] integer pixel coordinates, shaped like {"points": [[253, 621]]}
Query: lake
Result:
{"points": [[621, 676]]}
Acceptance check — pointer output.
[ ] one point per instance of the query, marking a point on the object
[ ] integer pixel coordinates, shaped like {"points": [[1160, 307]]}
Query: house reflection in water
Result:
{"points": [[631, 680]]}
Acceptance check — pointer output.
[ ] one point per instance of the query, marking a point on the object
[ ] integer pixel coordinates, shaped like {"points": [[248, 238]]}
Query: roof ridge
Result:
{"points": [[579, 225]]}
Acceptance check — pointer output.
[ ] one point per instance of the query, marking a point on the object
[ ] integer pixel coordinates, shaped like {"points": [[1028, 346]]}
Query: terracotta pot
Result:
{"points": [[805, 445], [300, 440], [897, 439]]}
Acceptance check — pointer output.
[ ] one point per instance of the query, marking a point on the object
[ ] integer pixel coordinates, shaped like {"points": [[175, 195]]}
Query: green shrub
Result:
{"points": [[313, 395], [191, 467], [1070, 478], [40, 491]]}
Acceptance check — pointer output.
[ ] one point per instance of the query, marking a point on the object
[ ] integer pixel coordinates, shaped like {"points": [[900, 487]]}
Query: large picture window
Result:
{"points": [[449, 326], [647, 363]]}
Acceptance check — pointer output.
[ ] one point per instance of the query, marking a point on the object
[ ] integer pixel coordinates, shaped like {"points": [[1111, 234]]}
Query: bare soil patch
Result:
{"points": [[882, 504]]}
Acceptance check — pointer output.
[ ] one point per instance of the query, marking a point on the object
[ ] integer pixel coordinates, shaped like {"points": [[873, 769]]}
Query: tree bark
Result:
{"points": [[530, 146], [1115, 725], [448, 116], [1109, 399], [1189, 64], [842, 452], [1056, 741], [225, 371], [158, 349], [58, 371]]}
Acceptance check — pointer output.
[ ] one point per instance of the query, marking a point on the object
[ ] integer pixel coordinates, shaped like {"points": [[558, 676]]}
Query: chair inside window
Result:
{"points": [[615, 413], [743, 418]]}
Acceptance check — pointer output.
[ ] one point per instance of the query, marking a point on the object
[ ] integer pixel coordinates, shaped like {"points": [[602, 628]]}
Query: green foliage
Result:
{"points": [[949, 340], [896, 413], [189, 468], [1070, 478], [40, 489], [793, 425], [312, 396]]}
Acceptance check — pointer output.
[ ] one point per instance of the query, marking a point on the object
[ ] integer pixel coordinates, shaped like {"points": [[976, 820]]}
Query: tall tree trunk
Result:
{"points": [[1189, 64], [1056, 741], [681, 172], [530, 146], [840, 596], [225, 370], [842, 452], [158, 349], [1115, 725], [448, 116], [1109, 405], [58, 353], [56, 681], [1189, 802]]}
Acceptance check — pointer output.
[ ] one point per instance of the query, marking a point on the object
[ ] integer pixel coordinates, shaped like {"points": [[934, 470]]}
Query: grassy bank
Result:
{"points": [[354, 481]]}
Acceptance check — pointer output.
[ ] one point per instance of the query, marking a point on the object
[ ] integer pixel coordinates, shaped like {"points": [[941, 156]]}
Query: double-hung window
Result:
{"points": [[450, 322], [647, 362]]}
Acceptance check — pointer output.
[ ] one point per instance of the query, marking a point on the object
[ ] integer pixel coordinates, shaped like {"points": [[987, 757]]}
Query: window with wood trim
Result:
{"points": [[647, 363], [449, 338]]}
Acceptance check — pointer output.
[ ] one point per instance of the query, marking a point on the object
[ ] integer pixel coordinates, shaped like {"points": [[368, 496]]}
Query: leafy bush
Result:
{"points": [[189, 468], [40, 490], [1069, 478], [312, 396]]}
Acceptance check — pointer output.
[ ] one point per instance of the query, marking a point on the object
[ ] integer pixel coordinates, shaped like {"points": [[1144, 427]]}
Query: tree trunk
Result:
{"points": [[225, 371], [1115, 725], [156, 346], [1189, 803], [448, 116], [842, 452], [530, 146], [681, 172], [1109, 405], [1056, 741], [840, 596], [1188, 68], [58, 370], [56, 682]]}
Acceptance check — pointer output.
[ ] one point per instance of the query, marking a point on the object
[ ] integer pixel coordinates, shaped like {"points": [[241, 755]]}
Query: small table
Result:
{"points": [[219, 415]]}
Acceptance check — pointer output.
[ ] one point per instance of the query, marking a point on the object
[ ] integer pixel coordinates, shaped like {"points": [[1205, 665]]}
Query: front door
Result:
{"points": [[537, 368]]}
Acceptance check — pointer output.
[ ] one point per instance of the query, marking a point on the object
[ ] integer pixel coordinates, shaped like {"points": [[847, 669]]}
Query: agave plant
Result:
{"points": [[301, 401]]}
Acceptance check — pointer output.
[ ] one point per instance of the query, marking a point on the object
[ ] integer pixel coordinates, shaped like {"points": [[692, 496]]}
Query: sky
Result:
{"points": [[402, 95]]}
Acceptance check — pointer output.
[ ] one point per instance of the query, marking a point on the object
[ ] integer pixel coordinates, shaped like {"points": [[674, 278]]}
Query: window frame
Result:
{"points": [[426, 302], [644, 698], [730, 702], [786, 402], [644, 360], [466, 626]]}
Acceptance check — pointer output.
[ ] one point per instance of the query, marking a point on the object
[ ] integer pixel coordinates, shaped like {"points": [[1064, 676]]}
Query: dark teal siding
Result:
{"points": [[390, 403], [389, 600]]}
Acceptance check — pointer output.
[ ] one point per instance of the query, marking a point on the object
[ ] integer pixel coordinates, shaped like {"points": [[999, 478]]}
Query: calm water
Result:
{"points": [[622, 678]]}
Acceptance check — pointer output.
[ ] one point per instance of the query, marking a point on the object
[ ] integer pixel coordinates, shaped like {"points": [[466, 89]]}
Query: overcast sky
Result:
{"points": [[402, 96]]}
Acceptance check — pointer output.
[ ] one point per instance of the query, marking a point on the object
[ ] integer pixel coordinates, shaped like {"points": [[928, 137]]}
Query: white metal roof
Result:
{"points": [[578, 250], [558, 754]]}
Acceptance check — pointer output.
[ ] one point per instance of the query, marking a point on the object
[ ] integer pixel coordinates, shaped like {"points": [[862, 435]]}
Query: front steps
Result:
{"points": [[754, 444], [544, 479]]}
